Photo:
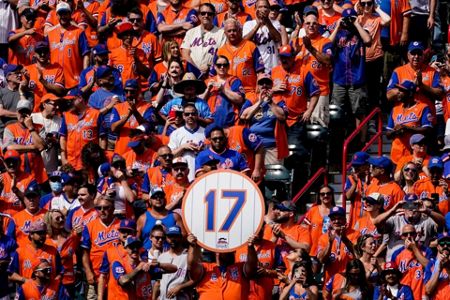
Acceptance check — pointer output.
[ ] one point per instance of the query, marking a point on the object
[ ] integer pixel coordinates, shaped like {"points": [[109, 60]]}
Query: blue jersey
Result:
{"points": [[349, 59], [202, 107], [101, 98], [150, 221], [263, 123], [8, 248], [224, 111], [404, 293], [118, 88], [229, 159]]}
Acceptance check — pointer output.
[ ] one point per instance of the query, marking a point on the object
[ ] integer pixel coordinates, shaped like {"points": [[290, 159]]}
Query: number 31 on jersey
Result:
{"points": [[223, 209]]}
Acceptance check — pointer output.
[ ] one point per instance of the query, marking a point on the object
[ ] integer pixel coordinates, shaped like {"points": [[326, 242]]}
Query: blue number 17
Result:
{"points": [[210, 200]]}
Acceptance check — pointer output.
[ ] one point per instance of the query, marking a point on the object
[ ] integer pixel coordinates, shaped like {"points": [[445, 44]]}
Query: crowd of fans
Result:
{"points": [[109, 111]]}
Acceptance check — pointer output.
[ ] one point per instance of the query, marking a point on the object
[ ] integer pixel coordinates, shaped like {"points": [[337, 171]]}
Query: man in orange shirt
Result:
{"points": [[243, 55], [131, 61], [68, 46], [234, 11], [45, 77], [380, 169], [335, 247], [160, 175], [225, 278], [175, 20], [175, 192]]}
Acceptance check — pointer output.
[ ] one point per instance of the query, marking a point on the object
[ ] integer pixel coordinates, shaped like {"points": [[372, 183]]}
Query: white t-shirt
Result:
{"points": [[168, 281], [203, 44], [44, 127], [60, 202], [182, 136], [266, 46]]}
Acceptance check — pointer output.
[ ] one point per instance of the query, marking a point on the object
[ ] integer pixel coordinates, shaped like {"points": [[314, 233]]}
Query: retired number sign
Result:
{"points": [[223, 209]]}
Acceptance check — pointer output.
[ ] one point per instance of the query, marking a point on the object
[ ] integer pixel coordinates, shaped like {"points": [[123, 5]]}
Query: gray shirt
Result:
{"points": [[168, 281], [426, 230], [9, 100]]}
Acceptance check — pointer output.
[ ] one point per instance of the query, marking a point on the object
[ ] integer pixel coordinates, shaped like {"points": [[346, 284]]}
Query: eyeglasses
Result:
{"points": [[179, 169], [410, 233], [42, 52], [158, 237], [207, 13], [410, 170], [311, 23], [44, 270], [325, 194], [135, 20], [222, 65], [166, 156], [363, 4], [444, 243], [101, 208], [418, 53], [190, 114], [157, 196], [218, 139]]}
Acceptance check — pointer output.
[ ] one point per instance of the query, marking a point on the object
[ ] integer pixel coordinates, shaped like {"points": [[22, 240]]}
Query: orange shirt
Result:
{"points": [[250, 8], [23, 180], [79, 131], [174, 191], [423, 188], [365, 226], [391, 191], [121, 59], [170, 16], [339, 255], [329, 21], [261, 287], [21, 51], [236, 142], [445, 82], [148, 43], [314, 221], [219, 5], [231, 285], [27, 254], [300, 86], [97, 238], [156, 177], [53, 74], [23, 220], [31, 162], [241, 16], [31, 290], [320, 71], [67, 253], [67, 48], [399, 9], [356, 208], [418, 115], [372, 24], [245, 62]]}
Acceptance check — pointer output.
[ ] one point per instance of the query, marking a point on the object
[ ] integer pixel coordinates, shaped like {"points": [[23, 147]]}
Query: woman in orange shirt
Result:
{"points": [[373, 205], [408, 176], [317, 217]]}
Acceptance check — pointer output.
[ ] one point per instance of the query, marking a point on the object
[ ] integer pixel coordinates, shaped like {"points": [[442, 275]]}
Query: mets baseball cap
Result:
{"points": [[55, 176], [349, 12], [37, 226], [75, 92], [103, 71], [127, 224], [286, 206], [310, 10], [380, 162], [264, 76], [156, 190], [32, 190], [435, 162], [63, 7], [11, 68], [174, 230], [179, 161], [100, 49], [390, 267], [286, 51], [407, 85], [132, 241], [104, 169], [415, 45], [11, 154], [360, 158], [410, 201], [131, 84], [416, 139], [41, 45], [337, 211]]}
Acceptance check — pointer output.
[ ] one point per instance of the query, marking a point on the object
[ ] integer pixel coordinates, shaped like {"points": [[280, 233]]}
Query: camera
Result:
{"points": [[348, 21]]}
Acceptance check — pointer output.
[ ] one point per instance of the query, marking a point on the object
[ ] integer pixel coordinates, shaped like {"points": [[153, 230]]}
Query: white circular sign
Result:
{"points": [[223, 209]]}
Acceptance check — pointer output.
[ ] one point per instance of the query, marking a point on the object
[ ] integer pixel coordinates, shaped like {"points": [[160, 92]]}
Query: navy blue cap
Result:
{"points": [[381, 162], [33, 190], [103, 71], [11, 69], [127, 224], [360, 158], [415, 45], [410, 198], [131, 84], [286, 206], [443, 236], [75, 92], [416, 139], [131, 240], [337, 211], [349, 12], [435, 162], [407, 86], [55, 176], [311, 10], [155, 190], [100, 49], [203, 158], [104, 169], [135, 142], [174, 230], [41, 45], [66, 178]]}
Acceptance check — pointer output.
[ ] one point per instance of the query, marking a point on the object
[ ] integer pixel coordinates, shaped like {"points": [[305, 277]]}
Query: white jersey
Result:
{"points": [[203, 44], [184, 135], [267, 47], [168, 281]]}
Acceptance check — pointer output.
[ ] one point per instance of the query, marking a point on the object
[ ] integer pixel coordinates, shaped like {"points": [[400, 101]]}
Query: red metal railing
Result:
{"points": [[378, 136], [311, 181]]}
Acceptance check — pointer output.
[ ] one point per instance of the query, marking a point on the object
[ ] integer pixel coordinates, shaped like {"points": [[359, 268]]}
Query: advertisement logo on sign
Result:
{"points": [[222, 243]]}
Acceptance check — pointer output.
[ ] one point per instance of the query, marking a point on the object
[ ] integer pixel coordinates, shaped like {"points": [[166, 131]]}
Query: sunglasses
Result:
{"points": [[135, 20], [179, 169], [101, 208], [363, 4], [44, 270], [418, 53], [158, 237], [410, 233], [166, 156], [325, 194], [190, 114], [130, 91], [126, 231], [42, 52], [410, 170], [444, 243], [207, 13], [43, 232], [222, 65]]}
